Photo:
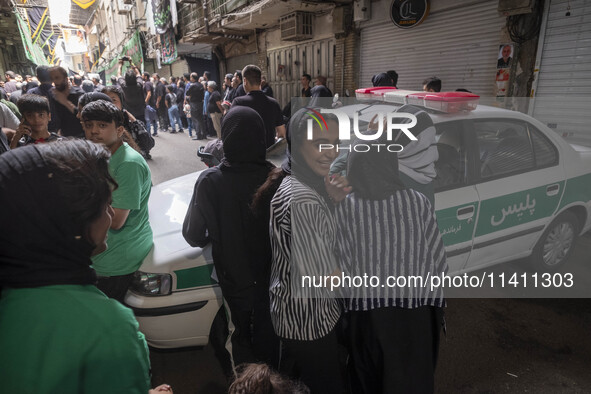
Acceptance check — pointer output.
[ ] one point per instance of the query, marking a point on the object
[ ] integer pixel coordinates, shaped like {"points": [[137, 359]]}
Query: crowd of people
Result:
{"points": [[74, 174]]}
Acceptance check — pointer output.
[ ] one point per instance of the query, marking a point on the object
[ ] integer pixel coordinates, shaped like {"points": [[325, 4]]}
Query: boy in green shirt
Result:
{"points": [[130, 235]]}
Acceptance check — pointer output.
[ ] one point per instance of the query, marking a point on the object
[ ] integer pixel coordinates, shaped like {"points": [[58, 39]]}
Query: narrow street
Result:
{"points": [[491, 346]]}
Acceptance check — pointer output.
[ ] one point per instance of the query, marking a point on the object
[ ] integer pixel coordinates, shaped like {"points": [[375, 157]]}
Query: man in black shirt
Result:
{"points": [[228, 87], [160, 93], [66, 103], [268, 108], [306, 90], [150, 114], [266, 88], [239, 91], [214, 107], [320, 90], [195, 96]]}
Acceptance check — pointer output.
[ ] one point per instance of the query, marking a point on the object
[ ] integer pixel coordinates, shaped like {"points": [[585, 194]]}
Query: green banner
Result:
{"points": [[133, 49], [33, 52]]}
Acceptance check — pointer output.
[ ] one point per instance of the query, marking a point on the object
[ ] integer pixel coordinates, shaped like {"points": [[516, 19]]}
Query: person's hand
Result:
{"points": [[337, 187], [374, 124], [157, 105], [131, 117], [61, 96], [22, 129], [163, 388]]}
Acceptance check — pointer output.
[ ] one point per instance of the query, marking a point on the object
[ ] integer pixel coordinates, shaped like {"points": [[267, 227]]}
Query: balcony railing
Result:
{"points": [[190, 16], [190, 13]]}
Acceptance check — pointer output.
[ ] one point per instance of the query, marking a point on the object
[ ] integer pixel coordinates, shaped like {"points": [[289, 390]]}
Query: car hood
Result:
{"points": [[581, 149], [168, 205]]}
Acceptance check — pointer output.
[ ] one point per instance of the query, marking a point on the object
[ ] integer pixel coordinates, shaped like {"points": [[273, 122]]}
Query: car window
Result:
{"points": [[545, 152], [451, 165], [504, 147]]}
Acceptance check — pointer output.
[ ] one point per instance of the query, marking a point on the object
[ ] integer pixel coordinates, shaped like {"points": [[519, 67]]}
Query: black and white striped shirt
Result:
{"points": [[395, 237], [302, 233]]}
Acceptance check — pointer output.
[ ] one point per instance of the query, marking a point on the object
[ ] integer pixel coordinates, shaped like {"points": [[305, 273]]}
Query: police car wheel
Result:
{"points": [[556, 244]]}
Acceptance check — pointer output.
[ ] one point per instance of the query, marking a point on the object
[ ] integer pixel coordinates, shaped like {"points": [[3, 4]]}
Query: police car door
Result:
{"points": [[456, 200], [520, 185]]}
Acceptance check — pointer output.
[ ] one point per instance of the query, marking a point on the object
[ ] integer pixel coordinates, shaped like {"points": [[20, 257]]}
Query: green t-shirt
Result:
{"points": [[128, 246], [70, 339]]}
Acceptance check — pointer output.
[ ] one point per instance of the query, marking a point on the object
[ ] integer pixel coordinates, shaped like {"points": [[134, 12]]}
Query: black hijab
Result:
{"points": [[295, 164], [93, 96], [382, 79], [243, 136], [374, 175], [39, 245]]}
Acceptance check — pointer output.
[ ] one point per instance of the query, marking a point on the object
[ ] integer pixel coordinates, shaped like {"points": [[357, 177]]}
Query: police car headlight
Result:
{"points": [[147, 284]]}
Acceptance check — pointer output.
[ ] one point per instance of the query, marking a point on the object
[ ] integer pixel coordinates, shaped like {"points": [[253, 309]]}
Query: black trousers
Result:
{"points": [[115, 286], [246, 334], [394, 350], [197, 119], [319, 364], [163, 116]]}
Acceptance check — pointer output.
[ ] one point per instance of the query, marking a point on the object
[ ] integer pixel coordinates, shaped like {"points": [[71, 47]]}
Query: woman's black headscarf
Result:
{"points": [[374, 175], [295, 163], [93, 96], [382, 79], [40, 243], [243, 136]]}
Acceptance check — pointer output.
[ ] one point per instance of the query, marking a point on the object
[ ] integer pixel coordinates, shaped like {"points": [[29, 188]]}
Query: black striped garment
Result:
{"points": [[302, 233], [395, 237]]}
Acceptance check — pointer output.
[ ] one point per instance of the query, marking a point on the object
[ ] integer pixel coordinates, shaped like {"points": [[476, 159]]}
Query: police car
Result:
{"points": [[507, 188]]}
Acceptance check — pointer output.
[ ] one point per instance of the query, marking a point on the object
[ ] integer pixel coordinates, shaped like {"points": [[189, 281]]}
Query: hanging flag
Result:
{"points": [[75, 41], [84, 4], [97, 53], [32, 51], [131, 49], [42, 32], [168, 47], [162, 16]]}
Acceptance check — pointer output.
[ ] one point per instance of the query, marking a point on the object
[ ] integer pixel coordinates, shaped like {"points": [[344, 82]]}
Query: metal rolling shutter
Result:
{"points": [[563, 93], [179, 68], [312, 57], [238, 62], [459, 45]]}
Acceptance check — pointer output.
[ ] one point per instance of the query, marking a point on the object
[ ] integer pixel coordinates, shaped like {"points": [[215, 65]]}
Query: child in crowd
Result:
{"points": [[136, 128], [130, 235], [260, 378], [174, 115], [34, 127]]}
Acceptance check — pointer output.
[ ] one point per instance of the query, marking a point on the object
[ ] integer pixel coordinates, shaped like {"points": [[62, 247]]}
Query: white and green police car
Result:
{"points": [[507, 188]]}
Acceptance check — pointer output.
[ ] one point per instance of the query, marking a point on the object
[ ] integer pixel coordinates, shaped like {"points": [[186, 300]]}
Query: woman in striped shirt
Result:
{"points": [[303, 240], [388, 233]]}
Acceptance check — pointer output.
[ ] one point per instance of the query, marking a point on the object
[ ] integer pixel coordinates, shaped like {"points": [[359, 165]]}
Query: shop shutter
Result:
{"points": [[238, 62], [563, 92], [312, 57], [459, 45], [179, 68]]}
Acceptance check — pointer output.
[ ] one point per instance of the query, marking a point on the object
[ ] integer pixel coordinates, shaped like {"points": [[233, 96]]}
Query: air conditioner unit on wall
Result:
{"points": [[341, 19], [123, 7], [361, 10], [297, 26], [515, 7]]}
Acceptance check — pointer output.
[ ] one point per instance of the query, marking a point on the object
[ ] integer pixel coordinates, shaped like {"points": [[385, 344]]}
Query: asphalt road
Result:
{"points": [[492, 345]]}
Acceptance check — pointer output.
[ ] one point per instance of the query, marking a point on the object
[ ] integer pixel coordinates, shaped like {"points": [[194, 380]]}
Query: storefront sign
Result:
{"points": [[409, 13]]}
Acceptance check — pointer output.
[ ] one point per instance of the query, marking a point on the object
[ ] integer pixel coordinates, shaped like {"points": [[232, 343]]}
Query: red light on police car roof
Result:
{"points": [[448, 102], [375, 93]]}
